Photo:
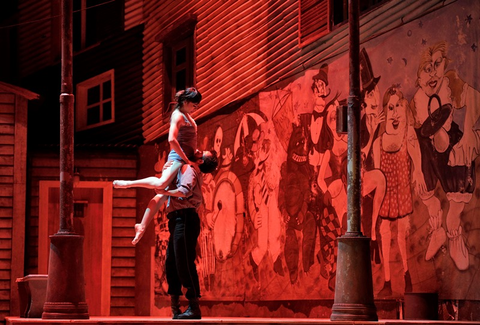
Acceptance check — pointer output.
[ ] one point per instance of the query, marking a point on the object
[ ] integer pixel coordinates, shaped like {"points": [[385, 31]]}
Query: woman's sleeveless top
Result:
{"points": [[187, 138]]}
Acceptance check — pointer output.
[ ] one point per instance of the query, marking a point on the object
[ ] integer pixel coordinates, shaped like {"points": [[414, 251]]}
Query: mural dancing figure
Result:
{"points": [[394, 150], [294, 184], [262, 201], [332, 181], [448, 148], [373, 180]]}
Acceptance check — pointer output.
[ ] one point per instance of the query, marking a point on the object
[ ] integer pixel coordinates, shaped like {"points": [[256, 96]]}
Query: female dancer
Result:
{"points": [[182, 138]]}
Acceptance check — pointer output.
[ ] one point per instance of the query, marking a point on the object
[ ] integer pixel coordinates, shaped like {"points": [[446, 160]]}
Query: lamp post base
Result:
{"points": [[66, 282], [354, 287]]}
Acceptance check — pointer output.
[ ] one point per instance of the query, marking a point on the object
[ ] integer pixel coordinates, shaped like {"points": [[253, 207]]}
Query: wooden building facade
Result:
{"points": [[257, 64], [107, 60]]}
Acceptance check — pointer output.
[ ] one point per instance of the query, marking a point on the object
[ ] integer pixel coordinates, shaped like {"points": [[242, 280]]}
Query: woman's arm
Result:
{"points": [[413, 148]]}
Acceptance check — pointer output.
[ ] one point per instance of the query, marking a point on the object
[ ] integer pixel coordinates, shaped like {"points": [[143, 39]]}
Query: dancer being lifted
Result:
{"points": [[182, 138]]}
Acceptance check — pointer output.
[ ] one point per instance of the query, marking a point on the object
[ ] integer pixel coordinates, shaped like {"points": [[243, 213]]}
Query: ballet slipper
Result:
{"points": [[139, 231]]}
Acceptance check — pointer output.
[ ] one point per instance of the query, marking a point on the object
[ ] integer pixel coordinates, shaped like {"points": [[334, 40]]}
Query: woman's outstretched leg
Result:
{"points": [[169, 171], [150, 212]]}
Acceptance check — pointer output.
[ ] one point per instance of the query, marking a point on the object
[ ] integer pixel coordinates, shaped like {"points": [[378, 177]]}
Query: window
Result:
{"points": [[94, 20], [180, 65], [318, 17], [178, 59], [95, 101]]}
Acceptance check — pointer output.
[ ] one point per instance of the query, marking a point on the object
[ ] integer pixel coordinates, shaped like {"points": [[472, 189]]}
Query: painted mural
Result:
{"points": [[278, 201]]}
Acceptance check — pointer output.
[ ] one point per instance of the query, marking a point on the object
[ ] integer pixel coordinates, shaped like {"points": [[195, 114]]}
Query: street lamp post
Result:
{"points": [[354, 287], [65, 297]]}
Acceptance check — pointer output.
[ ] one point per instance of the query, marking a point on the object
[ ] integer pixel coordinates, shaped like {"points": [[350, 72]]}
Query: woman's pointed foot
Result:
{"points": [[120, 184], [139, 231]]}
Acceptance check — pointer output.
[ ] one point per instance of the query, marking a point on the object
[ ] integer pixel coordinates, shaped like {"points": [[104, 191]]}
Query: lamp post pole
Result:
{"points": [[354, 288], [65, 297]]}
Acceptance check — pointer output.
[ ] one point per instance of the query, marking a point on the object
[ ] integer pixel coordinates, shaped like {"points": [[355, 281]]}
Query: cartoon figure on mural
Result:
{"points": [[320, 205], [223, 214], [243, 156], [373, 180], [295, 182], [445, 111], [320, 91], [228, 204], [332, 181], [206, 257], [262, 199], [394, 151]]}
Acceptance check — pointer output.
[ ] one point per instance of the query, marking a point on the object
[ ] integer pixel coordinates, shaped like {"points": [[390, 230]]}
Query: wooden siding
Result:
{"points": [[123, 54], [13, 144], [133, 13], [39, 36], [314, 19], [34, 35], [243, 47], [94, 165], [7, 145]]}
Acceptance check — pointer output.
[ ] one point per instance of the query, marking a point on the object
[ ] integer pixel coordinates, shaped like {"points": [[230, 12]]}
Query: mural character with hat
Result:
{"points": [[373, 179], [320, 91], [327, 211]]}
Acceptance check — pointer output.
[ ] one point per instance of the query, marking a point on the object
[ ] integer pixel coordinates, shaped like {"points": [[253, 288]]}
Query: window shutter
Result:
{"points": [[314, 19]]}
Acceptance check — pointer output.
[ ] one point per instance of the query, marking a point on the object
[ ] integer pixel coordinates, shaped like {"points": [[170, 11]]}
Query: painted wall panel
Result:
{"points": [[278, 201]]}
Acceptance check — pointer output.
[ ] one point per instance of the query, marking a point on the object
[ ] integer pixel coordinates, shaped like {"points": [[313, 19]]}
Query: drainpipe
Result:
{"points": [[65, 298], [354, 287]]}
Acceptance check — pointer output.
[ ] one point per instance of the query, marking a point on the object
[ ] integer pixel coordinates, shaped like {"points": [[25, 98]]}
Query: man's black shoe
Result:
{"points": [[193, 310]]}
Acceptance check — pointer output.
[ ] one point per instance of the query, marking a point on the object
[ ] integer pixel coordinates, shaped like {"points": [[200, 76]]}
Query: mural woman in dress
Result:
{"points": [[394, 151]]}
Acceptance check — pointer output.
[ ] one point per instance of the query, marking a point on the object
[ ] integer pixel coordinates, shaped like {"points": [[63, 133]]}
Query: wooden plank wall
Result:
{"points": [[95, 165], [235, 43], [244, 46], [34, 35], [13, 144], [7, 148], [38, 32], [133, 13]]}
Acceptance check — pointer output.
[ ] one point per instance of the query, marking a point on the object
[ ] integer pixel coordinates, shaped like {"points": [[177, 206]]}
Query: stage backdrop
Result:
{"points": [[278, 200]]}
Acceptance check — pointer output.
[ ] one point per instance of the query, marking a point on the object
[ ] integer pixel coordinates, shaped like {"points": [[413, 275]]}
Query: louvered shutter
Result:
{"points": [[314, 19]]}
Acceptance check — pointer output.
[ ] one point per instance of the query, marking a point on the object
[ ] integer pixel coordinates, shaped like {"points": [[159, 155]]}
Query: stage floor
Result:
{"points": [[222, 320]]}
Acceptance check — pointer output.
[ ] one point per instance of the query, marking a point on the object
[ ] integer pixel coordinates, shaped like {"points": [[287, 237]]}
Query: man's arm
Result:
{"points": [[176, 192]]}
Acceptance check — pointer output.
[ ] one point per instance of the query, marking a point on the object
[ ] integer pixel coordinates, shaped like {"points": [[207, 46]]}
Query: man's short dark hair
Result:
{"points": [[210, 163]]}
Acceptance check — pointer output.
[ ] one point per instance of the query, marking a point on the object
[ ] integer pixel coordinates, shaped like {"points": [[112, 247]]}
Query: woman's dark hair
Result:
{"points": [[190, 94], [210, 163]]}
